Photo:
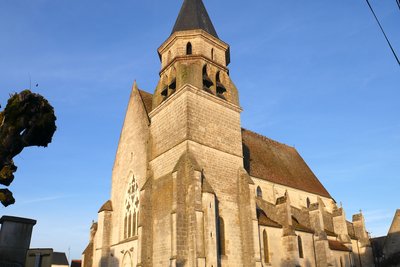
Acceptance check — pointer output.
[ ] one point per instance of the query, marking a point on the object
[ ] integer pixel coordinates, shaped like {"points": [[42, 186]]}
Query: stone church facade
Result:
{"points": [[191, 187]]}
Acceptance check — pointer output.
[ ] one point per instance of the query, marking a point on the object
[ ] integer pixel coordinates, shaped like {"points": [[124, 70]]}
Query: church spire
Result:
{"points": [[193, 16]]}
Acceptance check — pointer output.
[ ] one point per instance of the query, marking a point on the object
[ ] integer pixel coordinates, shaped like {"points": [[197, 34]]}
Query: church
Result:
{"points": [[191, 187]]}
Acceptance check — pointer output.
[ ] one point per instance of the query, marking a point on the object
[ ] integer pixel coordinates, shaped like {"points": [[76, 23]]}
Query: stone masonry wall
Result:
{"points": [[131, 159]]}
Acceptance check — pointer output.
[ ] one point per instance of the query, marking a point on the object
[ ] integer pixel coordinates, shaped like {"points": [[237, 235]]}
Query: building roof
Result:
{"points": [[147, 99], [59, 258], [76, 263], [330, 233], [106, 206], [300, 227], [194, 16], [264, 220], [337, 245], [278, 163]]}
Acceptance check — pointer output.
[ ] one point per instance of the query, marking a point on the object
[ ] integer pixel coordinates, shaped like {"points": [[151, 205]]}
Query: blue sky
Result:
{"points": [[314, 74]]}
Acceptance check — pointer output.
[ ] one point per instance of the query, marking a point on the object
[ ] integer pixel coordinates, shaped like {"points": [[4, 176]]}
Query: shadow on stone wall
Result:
{"points": [[246, 158], [387, 250], [110, 261]]}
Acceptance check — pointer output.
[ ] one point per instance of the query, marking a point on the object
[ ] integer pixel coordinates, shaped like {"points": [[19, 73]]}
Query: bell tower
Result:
{"points": [[195, 55], [195, 205]]}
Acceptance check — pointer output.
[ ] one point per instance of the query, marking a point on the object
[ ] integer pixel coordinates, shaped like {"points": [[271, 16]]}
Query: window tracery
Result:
{"points": [[131, 209]]}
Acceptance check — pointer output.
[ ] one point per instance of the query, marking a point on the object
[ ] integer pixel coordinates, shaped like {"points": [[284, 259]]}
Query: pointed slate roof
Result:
{"points": [[194, 16]]}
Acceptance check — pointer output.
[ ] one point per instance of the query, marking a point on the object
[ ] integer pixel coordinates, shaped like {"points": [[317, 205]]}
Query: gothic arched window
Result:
{"points": [[220, 87], [131, 209], [300, 243], [259, 192], [207, 83], [221, 240], [127, 260], [189, 49], [266, 248]]}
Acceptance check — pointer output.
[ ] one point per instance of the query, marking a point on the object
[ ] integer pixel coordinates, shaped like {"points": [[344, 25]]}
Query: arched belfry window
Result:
{"points": [[221, 239], [131, 209], [266, 247], [189, 48], [300, 243], [259, 192], [207, 83], [220, 87]]}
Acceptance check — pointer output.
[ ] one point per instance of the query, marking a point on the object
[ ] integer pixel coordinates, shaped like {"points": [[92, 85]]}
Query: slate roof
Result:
{"points": [[278, 163], [59, 258], [337, 245], [194, 16]]}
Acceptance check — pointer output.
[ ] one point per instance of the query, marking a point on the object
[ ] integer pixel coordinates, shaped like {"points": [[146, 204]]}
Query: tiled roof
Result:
{"points": [[337, 245], [267, 159], [265, 221], [106, 206], [299, 227], [330, 233], [147, 99]]}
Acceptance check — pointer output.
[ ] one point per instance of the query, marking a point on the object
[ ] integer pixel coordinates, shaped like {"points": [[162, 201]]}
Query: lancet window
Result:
{"points": [[131, 216], [300, 243], [259, 192], [220, 87], [207, 83], [189, 49], [266, 248]]}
